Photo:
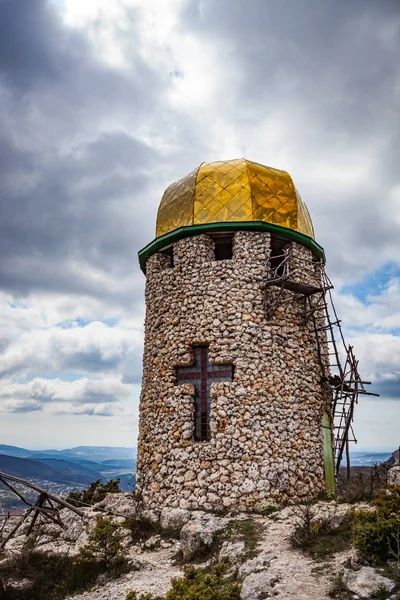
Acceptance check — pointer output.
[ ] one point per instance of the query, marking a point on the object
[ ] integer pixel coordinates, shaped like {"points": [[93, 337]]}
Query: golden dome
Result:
{"points": [[233, 191]]}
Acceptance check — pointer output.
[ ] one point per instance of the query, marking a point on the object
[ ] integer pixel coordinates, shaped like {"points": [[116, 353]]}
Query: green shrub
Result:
{"points": [[339, 589], [387, 501], [320, 537], [376, 535], [141, 528], [363, 484], [266, 508], [96, 492], [372, 534], [105, 546], [198, 585], [36, 575], [381, 593]]}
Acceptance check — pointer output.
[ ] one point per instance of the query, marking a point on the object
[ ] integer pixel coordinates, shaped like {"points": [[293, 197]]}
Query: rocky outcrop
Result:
{"points": [[265, 569], [173, 519], [198, 536], [365, 582], [394, 475]]}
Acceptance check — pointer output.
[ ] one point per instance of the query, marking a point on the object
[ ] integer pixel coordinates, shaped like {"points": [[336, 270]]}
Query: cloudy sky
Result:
{"points": [[104, 103]]}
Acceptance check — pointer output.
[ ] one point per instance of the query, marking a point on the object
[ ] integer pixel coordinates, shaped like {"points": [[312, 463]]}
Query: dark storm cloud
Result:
{"points": [[33, 46], [317, 48], [70, 193], [332, 70], [80, 207], [387, 389]]}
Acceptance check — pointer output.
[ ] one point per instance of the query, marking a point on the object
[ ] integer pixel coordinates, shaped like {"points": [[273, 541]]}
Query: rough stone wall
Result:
{"points": [[266, 439]]}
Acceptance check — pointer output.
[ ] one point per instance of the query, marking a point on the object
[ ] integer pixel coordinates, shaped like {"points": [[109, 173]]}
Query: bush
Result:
{"points": [[376, 535], [36, 575], [105, 547], [96, 492], [198, 585], [387, 501], [141, 528], [381, 594], [370, 535], [339, 589], [266, 508], [364, 483], [320, 537]]}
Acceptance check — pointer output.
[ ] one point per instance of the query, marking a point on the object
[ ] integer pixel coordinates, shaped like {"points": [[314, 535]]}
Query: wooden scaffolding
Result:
{"points": [[309, 284], [45, 507]]}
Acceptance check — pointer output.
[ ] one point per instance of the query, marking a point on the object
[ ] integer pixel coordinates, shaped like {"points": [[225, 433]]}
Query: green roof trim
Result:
{"points": [[164, 241]]}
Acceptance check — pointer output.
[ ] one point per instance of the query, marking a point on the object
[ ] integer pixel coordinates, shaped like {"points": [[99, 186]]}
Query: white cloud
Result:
{"points": [[82, 396], [95, 347]]}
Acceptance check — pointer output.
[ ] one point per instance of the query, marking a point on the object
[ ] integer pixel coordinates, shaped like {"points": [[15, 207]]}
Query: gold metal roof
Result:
{"points": [[233, 190]]}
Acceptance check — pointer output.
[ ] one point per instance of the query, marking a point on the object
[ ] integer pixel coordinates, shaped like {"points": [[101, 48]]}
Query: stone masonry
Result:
{"points": [[266, 434]]}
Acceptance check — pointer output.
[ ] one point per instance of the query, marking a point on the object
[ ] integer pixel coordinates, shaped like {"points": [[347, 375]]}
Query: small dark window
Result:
{"points": [[277, 256], [169, 252], [223, 247]]}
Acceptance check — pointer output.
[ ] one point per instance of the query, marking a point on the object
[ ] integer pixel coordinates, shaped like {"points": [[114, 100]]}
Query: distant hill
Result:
{"points": [[70, 467], [91, 465], [32, 469], [120, 464], [368, 459], [14, 451], [81, 453], [93, 453]]}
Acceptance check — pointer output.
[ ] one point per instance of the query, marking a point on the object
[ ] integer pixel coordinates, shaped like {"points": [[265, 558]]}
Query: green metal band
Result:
{"points": [[173, 236], [330, 482]]}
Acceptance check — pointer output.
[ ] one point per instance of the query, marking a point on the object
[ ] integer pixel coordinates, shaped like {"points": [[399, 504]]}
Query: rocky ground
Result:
{"points": [[257, 548]]}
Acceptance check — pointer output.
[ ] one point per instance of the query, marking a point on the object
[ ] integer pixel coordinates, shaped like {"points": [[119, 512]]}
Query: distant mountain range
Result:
{"points": [[77, 467], [368, 459], [72, 467]]}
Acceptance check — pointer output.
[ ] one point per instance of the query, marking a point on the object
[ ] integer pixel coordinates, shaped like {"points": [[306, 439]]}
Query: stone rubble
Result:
{"points": [[275, 571], [266, 425]]}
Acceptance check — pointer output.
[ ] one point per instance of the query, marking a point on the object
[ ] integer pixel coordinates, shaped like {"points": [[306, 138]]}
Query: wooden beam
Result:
{"points": [[35, 487]]}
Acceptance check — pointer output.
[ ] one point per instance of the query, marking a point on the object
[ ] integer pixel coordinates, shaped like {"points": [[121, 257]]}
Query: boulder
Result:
{"points": [[258, 585], [230, 551], [254, 565], [394, 475], [173, 519], [198, 536], [366, 581], [153, 543], [120, 504]]}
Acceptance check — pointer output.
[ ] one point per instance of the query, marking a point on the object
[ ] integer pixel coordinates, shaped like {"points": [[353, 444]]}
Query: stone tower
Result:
{"points": [[235, 409]]}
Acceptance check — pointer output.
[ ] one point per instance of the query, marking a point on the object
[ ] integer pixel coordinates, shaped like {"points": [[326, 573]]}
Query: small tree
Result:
{"points": [[105, 545], [96, 492], [198, 585]]}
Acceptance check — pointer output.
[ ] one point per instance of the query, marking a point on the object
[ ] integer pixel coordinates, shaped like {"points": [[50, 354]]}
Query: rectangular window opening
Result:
{"points": [[278, 255], [169, 252], [223, 247]]}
